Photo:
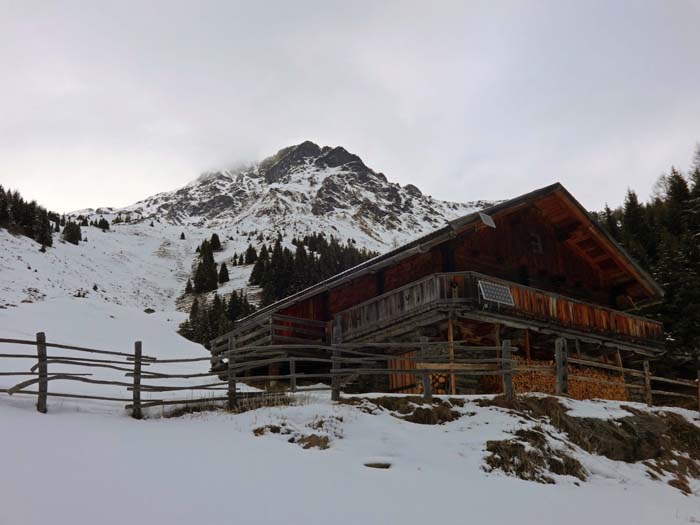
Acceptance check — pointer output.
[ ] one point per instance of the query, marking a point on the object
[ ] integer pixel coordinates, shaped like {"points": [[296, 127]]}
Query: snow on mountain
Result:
{"points": [[305, 189], [143, 263]]}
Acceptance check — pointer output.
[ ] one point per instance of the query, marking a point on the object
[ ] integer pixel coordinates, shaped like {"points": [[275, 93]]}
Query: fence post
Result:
{"points": [[43, 372], [699, 386], [136, 391], [231, 373], [647, 383], [562, 367], [293, 374], [335, 366], [507, 369], [425, 375]]}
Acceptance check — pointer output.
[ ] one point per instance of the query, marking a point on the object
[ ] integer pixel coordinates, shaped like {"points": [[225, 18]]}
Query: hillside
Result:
{"points": [[143, 263]]}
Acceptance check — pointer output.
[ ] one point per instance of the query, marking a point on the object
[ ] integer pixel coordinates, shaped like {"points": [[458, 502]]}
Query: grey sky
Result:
{"points": [[104, 103]]}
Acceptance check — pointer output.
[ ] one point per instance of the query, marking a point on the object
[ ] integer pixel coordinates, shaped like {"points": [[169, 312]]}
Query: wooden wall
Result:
{"points": [[525, 249]]}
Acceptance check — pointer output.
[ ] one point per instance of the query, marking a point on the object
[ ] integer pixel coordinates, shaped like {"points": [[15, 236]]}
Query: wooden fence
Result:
{"points": [[336, 364]]}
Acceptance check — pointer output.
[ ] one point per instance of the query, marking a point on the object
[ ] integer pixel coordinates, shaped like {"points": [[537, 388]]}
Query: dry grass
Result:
{"points": [[529, 456], [665, 442], [410, 408], [245, 404]]}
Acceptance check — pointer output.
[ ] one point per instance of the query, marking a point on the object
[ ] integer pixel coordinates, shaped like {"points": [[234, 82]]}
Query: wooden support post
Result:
{"points": [[231, 395], [647, 383], [618, 363], [528, 355], [293, 374], [43, 372], [577, 345], [562, 367], [451, 349], [507, 369], [335, 367], [425, 375], [136, 392]]}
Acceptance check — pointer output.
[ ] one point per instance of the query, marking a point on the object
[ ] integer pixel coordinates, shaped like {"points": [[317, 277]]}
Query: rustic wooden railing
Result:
{"points": [[274, 329], [530, 303], [300, 365]]}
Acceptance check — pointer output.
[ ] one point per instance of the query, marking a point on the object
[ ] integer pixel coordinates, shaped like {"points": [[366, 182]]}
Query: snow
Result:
{"points": [[93, 323], [210, 468], [88, 462], [286, 207], [133, 265]]}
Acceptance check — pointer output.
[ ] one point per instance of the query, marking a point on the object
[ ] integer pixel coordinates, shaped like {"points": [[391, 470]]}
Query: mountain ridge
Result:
{"points": [[301, 189]]}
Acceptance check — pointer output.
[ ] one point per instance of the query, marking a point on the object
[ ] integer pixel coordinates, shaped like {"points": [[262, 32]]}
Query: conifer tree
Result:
{"points": [[223, 274], [71, 233], [182, 236], [215, 243], [43, 228], [188, 286], [250, 255], [205, 277], [4, 208]]}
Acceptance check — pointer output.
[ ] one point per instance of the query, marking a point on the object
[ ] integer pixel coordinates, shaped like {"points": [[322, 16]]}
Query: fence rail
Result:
{"points": [[338, 364]]}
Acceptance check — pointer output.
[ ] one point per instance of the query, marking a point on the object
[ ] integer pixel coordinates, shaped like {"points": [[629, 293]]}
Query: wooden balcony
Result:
{"points": [[460, 291]]}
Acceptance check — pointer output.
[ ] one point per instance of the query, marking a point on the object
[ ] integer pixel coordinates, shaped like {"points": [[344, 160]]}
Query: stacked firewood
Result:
{"points": [[589, 390], [545, 382], [439, 383]]}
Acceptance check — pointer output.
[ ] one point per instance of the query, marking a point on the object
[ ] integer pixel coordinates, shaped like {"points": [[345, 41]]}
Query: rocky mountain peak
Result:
{"points": [[302, 189]]}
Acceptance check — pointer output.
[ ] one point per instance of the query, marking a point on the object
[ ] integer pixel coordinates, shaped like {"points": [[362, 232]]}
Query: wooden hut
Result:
{"points": [[532, 269]]}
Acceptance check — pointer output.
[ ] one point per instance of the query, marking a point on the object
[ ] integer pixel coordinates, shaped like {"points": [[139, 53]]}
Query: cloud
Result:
{"points": [[106, 103]]}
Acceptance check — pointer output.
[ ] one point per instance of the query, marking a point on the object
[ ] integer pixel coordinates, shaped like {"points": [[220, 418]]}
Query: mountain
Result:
{"points": [[303, 189], [143, 263]]}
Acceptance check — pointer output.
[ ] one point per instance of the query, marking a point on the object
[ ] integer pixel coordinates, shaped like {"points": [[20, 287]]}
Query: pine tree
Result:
{"points": [[188, 286], [205, 277], [610, 222], [43, 227], [182, 236], [223, 274], [4, 208], [215, 243], [635, 231], [260, 267], [71, 233], [250, 255], [676, 208]]}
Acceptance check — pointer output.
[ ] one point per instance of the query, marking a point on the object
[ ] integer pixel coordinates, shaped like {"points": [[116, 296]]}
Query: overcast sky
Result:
{"points": [[104, 103]]}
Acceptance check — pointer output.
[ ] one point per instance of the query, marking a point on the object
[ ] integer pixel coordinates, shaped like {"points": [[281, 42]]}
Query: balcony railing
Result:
{"points": [[529, 303]]}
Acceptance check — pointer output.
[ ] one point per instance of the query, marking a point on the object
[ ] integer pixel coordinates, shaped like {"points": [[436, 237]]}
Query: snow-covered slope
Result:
{"points": [[134, 265], [143, 263]]}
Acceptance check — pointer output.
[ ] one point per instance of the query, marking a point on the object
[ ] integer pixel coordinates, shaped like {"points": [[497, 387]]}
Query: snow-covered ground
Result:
{"points": [[88, 462], [85, 468], [93, 323]]}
